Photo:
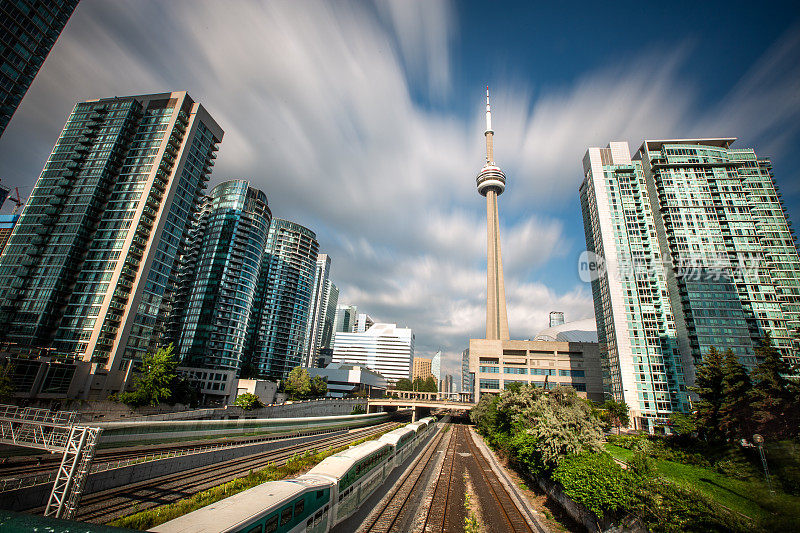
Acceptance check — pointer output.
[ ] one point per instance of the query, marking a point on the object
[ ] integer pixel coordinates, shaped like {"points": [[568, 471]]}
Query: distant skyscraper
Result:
{"points": [[363, 323], [219, 276], [91, 264], [436, 366], [330, 314], [318, 312], [467, 377], [28, 30], [383, 347], [556, 318], [491, 184], [280, 314], [697, 252], [346, 317], [421, 368]]}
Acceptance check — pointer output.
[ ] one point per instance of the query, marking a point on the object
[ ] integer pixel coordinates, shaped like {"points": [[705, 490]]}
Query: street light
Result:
{"points": [[759, 440]]}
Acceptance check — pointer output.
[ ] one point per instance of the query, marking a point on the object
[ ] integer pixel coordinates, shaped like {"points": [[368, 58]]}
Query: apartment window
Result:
{"points": [[489, 383]]}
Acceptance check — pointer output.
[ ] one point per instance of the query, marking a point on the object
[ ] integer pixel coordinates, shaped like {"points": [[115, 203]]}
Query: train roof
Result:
{"points": [[337, 465], [395, 435], [232, 511]]}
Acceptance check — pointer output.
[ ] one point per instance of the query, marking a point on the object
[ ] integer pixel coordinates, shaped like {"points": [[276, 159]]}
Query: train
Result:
{"points": [[314, 502]]}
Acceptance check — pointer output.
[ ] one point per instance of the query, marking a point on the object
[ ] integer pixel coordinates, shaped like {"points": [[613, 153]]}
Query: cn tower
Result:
{"points": [[491, 184]]}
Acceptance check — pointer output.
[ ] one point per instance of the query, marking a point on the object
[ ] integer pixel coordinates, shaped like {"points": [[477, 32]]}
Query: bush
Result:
{"points": [[597, 481], [248, 401]]}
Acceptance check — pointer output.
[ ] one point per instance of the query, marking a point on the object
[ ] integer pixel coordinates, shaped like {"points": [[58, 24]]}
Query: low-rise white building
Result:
{"points": [[345, 380], [384, 348]]}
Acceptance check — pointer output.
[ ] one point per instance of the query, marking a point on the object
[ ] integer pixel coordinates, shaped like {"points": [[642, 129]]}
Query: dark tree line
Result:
{"points": [[735, 404]]}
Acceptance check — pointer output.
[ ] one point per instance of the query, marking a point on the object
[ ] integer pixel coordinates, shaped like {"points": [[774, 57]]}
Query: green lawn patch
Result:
{"points": [[751, 498]]}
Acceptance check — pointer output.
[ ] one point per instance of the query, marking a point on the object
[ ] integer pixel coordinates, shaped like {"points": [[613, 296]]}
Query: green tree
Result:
{"points": [[617, 413], [708, 386], [430, 385], [298, 384], [403, 384], [775, 400], [596, 481], [319, 387], [734, 412], [248, 401], [7, 388], [155, 380], [682, 424]]}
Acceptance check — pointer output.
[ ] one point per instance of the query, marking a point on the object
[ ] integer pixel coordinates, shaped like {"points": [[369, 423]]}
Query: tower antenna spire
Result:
{"points": [[489, 133]]}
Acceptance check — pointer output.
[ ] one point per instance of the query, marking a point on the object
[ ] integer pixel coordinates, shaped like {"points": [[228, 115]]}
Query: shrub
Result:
{"points": [[248, 401], [596, 481]]}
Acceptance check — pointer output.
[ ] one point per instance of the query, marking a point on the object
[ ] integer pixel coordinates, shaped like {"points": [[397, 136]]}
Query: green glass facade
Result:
{"points": [[697, 252], [277, 329], [736, 270], [28, 30], [90, 267], [220, 274]]}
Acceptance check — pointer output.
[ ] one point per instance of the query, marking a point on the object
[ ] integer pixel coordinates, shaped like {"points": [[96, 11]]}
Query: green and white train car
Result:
{"points": [[314, 502]]}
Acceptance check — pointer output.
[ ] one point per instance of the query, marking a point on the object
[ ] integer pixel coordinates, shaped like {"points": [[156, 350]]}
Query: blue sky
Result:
{"points": [[364, 122]]}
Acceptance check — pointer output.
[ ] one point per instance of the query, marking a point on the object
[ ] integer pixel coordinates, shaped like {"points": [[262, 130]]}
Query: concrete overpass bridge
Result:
{"points": [[419, 401]]}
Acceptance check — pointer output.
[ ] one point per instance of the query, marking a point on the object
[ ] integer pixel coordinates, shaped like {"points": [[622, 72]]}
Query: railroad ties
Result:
{"points": [[405, 509]]}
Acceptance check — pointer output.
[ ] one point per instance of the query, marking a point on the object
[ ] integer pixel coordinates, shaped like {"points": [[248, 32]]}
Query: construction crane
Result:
{"points": [[17, 201]]}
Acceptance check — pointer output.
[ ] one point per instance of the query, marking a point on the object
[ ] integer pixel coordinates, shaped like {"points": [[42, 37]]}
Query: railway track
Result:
{"points": [[397, 507], [103, 506], [513, 519], [43, 464], [439, 517]]}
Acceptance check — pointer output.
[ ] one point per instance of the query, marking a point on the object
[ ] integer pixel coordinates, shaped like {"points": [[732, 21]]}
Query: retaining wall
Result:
{"points": [[37, 496]]}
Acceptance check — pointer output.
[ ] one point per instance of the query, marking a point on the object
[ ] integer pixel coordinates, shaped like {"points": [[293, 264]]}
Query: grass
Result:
{"points": [[295, 465], [751, 498]]}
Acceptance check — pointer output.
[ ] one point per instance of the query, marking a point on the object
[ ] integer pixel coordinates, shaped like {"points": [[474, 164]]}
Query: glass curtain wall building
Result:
{"points": [[219, 276], [641, 358], [319, 309], [28, 30], [277, 330], [89, 269], [697, 252], [721, 222]]}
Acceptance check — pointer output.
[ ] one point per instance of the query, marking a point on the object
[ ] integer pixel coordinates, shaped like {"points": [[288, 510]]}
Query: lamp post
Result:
{"points": [[759, 440]]}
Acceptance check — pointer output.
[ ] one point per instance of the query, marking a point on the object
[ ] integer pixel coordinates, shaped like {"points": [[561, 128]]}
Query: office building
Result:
{"points": [[436, 366], [496, 364], [384, 348], [219, 275], [279, 318], [346, 317], [363, 323], [467, 376], [330, 315], [421, 368], [7, 223], [90, 266], [318, 316], [28, 31], [584, 330], [697, 252]]}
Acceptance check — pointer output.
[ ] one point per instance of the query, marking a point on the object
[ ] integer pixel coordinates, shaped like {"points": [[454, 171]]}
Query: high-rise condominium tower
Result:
{"points": [[698, 254], [491, 184], [219, 276], [28, 30], [90, 265], [319, 309], [279, 319]]}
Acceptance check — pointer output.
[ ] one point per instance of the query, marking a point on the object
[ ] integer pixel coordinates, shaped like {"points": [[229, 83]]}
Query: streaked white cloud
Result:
{"points": [[318, 103]]}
